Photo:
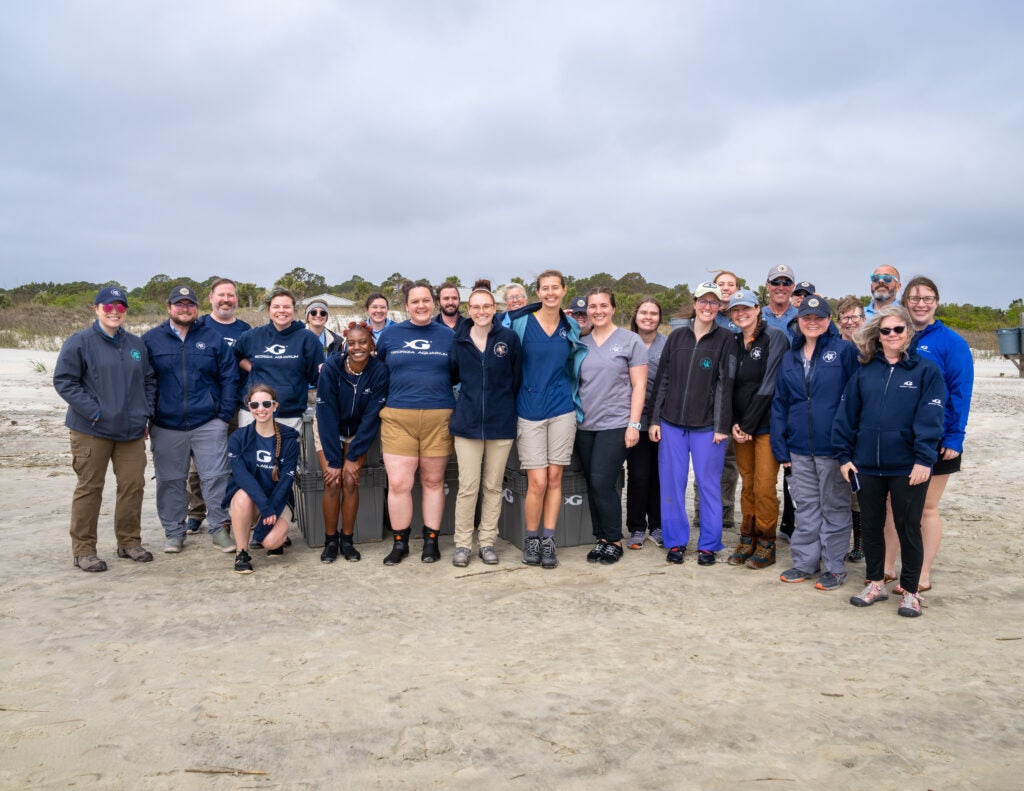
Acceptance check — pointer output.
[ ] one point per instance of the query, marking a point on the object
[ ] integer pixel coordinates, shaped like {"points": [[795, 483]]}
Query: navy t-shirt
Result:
{"points": [[230, 333], [417, 359], [546, 391]]}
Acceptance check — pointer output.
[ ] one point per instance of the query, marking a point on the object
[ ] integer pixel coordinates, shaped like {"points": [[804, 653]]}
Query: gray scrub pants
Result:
{"points": [[823, 518], [172, 450]]}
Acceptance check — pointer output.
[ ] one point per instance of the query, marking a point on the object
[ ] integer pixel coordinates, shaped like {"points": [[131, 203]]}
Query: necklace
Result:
{"points": [[348, 367]]}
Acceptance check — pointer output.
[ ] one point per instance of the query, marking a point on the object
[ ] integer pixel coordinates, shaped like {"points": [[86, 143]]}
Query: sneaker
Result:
{"points": [[330, 553], [910, 605], [138, 553], [174, 545], [855, 556], [254, 544], [287, 542], [793, 575], [90, 563], [873, 591], [612, 553], [548, 555], [193, 526], [656, 536], [594, 555], [829, 581], [531, 551], [275, 553], [243, 564], [636, 539], [488, 556], [676, 554], [223, 541], [706, 557], [460, 557]]}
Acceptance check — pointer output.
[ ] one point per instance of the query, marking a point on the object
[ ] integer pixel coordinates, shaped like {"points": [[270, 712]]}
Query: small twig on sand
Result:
{"points": [[226, 771], [1010, 638], [505, 570]]}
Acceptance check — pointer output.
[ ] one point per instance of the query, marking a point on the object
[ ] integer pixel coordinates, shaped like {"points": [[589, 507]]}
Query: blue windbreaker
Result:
{"points": [[950, 352]]}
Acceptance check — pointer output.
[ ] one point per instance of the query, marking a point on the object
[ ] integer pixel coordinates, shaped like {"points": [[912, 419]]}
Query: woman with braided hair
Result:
{"points": [[263, 456]]}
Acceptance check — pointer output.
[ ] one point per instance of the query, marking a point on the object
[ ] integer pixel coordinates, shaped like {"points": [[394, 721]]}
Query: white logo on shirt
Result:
{"points": [[909, 384], [755, 353], [500, 349], [276, 349], [264, 456], [419, 344], [829, 356]]}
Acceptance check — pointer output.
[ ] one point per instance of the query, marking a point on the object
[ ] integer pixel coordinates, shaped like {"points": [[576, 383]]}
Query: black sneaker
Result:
{"points": [[275, 552], [675, 554], [330, 553], [243, 564], [548, 555], [612, 553], [705, 557], [594, 555], [531, 551]]}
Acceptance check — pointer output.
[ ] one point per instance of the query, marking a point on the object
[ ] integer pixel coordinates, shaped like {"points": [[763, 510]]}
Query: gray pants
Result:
{"points": [[823, 518], [172, 450]]}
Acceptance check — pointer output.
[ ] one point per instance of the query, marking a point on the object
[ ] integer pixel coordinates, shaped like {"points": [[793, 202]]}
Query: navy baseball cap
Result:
{"points": [[804, 287], [110, 294], [182, 294], [578, 305], [814, 305]]}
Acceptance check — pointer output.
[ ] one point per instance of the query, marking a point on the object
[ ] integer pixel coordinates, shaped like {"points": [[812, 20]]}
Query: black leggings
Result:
{"points": [[907, 506]]}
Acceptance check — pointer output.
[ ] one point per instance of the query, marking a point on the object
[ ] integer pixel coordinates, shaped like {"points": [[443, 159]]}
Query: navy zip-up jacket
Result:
{"points": [[197, 378], [804, 406], [488, 384], [108, 383], [344, 409], [241, 452], [891, 417], [289, 361]]}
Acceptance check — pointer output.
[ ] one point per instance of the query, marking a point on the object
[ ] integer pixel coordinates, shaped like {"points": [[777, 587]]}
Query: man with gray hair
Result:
{"points": [[885, 288]]}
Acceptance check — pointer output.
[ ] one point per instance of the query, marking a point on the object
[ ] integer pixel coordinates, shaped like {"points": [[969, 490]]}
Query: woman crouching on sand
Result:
{"points": [[263, 456]]}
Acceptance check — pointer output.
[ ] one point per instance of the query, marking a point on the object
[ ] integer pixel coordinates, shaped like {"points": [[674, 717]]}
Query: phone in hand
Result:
{"points": [[854, 482]]}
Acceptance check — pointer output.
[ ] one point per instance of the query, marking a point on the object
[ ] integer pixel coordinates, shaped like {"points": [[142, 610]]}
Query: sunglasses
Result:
{"points": [[264, 404], [317, 312], [780, 281], [111, 307], [883, 278], [897, 330]]}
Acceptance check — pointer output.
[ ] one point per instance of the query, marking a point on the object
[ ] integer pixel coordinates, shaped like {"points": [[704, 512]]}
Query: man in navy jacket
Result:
{"points": [[197, 389]]}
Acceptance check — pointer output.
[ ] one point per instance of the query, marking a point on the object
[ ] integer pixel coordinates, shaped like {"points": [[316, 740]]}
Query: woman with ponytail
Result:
{"points": [[263, 456]]}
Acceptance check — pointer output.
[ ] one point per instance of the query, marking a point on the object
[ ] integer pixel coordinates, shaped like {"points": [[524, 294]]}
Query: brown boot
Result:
{"points": [[763, 557], [744, 550]]}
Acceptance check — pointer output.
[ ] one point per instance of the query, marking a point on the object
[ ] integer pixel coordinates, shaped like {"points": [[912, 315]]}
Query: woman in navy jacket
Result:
{"points": [[263, 456], [352, 389], [486, 363], [886, 437]]}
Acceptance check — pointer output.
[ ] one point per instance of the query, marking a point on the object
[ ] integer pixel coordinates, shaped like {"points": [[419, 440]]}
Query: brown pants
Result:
{"points": [[759, 498], [90, 457]]}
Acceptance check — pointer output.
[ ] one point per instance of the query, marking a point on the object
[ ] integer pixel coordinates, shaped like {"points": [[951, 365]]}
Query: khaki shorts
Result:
{"points": [[544, 442], [419, 433]]}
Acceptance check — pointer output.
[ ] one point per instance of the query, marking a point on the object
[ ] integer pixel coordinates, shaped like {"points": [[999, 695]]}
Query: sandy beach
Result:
{"points": [[354, 675]]}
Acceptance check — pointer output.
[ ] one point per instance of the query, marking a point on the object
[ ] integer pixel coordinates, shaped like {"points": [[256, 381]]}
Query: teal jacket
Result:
{"points": [[579, 350]]}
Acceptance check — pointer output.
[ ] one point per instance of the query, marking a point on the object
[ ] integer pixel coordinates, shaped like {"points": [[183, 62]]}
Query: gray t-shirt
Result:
{"points": [[605, 389]]}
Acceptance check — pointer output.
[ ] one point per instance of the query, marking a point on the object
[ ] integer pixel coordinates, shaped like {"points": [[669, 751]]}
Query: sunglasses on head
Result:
{"points": [[111, 307], [780, 281], [264, 404], [886, 278], [897, 330], [317, 312]]}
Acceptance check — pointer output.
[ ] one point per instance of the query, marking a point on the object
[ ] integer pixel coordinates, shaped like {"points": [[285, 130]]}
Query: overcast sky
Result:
{"points": [[246, 138]]}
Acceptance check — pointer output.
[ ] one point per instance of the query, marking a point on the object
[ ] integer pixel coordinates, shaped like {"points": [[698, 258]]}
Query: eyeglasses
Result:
{"points": [[851, 319], [780, 281], [112, 307], [264, 404], [481, 308], [886, 278], [184, 305], [897, 330], [317, 312], [708, 303], [922, 300]]}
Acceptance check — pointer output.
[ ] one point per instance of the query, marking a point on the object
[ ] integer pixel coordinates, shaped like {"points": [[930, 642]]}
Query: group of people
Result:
{"points": [[866, 416]]}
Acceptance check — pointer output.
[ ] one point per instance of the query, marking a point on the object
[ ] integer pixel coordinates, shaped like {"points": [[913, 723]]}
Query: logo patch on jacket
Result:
{"points": [[501, 349], [909, 384], [136, 355], [755, 353], [705, 363], [829, 356], [200, 345]]}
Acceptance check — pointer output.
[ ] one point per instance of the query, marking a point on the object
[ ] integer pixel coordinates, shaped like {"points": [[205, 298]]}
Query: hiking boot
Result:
{"points": [[873, 591], [138, 553], [243, 563], [531, 551], [460, 557], [706, 557], [173, 546], [548, 555], [594, 555], [656, 536], [348, 549], [194, 526], [330, 553], [223, 541], [793, 576], [91, 563], [636, 539], [488, 556], [612, 554], [743, 551], [676, 554], [430, 554], [910, 605], [400, 549], [763, 557], [830, 582]]}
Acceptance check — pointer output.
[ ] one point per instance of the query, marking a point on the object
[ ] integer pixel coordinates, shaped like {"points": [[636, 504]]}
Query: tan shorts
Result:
{"points": [[544, 442], [420, 433]]}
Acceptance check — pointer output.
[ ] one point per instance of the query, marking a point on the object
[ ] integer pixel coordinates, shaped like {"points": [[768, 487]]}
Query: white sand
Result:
{"points": [[639, 675]]}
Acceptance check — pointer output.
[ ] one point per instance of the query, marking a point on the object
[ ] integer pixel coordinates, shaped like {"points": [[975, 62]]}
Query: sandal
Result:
{"points": [[920, 589]]}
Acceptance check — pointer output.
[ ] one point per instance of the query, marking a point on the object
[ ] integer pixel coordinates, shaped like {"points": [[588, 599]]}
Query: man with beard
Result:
{"points": [[448, 301], [885, 287], [223, 304], [779, 311], [197, 392]]}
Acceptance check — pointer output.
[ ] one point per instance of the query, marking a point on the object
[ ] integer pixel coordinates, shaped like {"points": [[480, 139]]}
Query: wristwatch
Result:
{"points": [[635, 425]]}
